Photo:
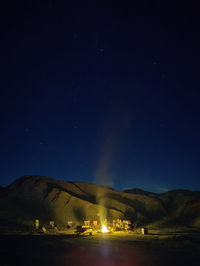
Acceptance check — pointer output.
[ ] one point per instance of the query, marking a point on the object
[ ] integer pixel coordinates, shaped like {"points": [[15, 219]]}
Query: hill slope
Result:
{"points": [[32, 197]]}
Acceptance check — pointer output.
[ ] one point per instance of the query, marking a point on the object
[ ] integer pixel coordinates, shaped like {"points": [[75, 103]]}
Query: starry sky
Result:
{"points": [[99, 94]]}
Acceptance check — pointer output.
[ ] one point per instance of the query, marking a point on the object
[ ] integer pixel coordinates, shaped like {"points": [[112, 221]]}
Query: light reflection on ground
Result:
{"points": [[100, 249], [108, 254]]}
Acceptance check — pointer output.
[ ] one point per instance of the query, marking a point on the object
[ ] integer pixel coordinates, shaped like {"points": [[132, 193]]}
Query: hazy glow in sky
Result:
{"points": [[104, 95]]}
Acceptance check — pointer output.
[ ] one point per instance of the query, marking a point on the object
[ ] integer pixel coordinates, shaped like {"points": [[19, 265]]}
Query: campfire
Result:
{"points": [[104, 229]]}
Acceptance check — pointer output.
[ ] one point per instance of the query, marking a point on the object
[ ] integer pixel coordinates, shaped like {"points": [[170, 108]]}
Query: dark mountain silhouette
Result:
{"points": [[139, 191], [32, 197]]}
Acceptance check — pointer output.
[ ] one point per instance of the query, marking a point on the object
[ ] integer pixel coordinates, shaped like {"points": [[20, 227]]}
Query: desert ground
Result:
{"points": [[120, 248]]}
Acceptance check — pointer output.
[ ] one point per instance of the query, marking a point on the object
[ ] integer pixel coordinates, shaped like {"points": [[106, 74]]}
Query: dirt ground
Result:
{"points": [[101, 249]]}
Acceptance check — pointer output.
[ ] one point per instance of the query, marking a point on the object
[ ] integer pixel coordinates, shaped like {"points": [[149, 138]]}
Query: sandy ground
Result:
{"points": [[101, 249]]}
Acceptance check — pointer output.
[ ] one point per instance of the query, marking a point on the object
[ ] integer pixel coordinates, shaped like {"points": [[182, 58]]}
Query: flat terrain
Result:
{"points": [[100, 249]]}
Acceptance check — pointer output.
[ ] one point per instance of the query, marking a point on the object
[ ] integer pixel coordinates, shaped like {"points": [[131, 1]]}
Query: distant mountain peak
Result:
{"points": [[138, 191]]}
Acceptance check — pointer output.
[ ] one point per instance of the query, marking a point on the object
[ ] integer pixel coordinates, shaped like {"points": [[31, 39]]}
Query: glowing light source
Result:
{"points": [[104, 229]]}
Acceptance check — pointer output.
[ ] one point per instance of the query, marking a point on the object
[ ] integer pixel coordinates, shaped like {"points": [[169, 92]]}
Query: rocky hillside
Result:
{"points": [[32, 197]]}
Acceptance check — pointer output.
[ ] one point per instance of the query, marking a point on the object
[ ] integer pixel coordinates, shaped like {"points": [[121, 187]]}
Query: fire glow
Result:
{"points": [[104, 229]]}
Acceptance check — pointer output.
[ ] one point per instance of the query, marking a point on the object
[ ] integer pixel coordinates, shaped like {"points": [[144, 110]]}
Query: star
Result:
{"points": [[163, 76]]}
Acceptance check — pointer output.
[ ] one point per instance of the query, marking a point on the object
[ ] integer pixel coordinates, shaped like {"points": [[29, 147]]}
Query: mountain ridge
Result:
{"points": [[31, 197]]}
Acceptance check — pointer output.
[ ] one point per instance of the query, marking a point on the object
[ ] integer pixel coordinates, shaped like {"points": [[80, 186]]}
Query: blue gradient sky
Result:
{"points": [[104, 95]]}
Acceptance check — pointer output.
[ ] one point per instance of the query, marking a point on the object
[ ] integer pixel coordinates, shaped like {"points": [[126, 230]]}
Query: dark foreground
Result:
{"points": [[111, 249]]}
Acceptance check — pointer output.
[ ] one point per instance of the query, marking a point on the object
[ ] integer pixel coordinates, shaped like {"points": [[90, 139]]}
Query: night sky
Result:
{"points": [[108, 95]]}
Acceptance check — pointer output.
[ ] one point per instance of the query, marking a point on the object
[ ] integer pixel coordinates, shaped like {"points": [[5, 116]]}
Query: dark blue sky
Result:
{"points": [[106, 95]]}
